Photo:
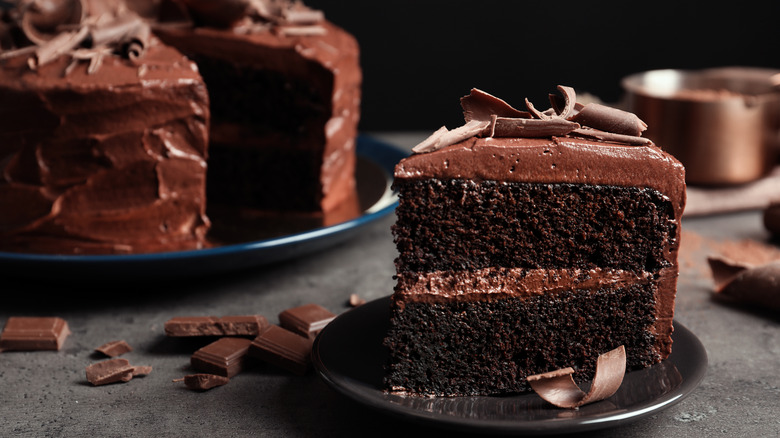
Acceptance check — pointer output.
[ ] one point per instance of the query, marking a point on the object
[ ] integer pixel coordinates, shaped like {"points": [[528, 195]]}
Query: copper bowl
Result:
{"points": [[723, 124]]}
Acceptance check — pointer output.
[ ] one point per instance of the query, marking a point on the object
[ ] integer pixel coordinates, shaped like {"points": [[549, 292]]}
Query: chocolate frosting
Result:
{"points": [[102, 160]]}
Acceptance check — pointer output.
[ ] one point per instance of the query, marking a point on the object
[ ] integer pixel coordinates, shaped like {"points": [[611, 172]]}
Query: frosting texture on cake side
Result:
{"points": [[286, 88], [103, 139]]}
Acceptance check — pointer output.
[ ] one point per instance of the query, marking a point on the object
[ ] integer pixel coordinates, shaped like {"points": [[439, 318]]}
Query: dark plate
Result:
{"points": [[348, 354], [243, 249]]}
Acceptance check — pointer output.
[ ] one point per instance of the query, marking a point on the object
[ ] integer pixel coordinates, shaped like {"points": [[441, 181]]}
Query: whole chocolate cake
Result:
{"points": [[285, 100], [531, 241], [103, 133]]}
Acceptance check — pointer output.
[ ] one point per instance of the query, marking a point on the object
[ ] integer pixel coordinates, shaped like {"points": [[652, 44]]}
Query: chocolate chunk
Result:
{"points": [[283, 348], [224, 357], [110, 371], [114, 370], [249, 325], [114, 348], [203, 381], [307, 320], [34, 333], [559, 388]]}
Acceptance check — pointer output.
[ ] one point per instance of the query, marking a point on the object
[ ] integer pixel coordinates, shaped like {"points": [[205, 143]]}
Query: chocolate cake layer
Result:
{"points": [[462, 348], [285, 111], [533, 226]]}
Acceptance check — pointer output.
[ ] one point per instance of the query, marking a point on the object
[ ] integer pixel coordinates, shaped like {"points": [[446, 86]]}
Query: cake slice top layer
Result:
{"points": [[578, 144]]}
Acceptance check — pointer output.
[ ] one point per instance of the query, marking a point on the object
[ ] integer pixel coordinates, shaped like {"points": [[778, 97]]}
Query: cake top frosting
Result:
{"points": [[569, 143]]}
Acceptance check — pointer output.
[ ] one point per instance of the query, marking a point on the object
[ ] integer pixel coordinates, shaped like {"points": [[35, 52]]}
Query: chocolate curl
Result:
{"points": [[444, 137], [613, 137], [59, 45], [566, 108], [301, 30], [753, 285], [558, 387], [532, 128], [535, 112], [479, 105], [130, 33], [609, 119], [43, 18]]}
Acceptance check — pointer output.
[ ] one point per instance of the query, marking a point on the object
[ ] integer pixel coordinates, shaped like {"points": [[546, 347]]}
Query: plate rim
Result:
{"points": [[382, 153], [691, 380]]}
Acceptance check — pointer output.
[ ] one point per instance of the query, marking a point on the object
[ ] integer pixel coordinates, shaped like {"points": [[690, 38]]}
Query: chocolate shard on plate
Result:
{"points": [[306, 320], [110, 371], [204, 381], [224, 357], [34, 333], [283, 348], [558, 387], [114, 348], [248, 325]]}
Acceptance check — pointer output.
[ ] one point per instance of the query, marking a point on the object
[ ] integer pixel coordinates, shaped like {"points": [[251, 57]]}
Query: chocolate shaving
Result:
{"points": [[612, 137], [301, 30], [479, 105], [444, 137], [532, 128], [610, 119], [558, 387], [489, 116], [70, 28]]}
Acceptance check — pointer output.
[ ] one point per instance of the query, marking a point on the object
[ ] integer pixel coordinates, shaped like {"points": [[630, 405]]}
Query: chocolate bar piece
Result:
{"points": [[114, 348], [224, 357], [283, 348], [34, 333], [114, 370], [306, 320], [109, 371], [249, 325], [203, 382]]}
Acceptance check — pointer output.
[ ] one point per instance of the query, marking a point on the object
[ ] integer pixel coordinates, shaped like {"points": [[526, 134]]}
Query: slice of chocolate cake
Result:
{"points": [[529, 242], [284, 85], [103, 133]]}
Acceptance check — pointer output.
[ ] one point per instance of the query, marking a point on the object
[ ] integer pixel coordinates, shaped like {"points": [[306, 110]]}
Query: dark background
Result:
{"points": [[420, 57]]}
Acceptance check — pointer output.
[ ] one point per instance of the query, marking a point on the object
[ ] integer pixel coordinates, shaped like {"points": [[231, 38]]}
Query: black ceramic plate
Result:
{"points": [[243, 249], [349, 356]]}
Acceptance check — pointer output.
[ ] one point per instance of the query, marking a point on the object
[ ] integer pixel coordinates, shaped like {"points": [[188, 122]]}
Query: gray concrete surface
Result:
{"points": [[46, 393]]}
